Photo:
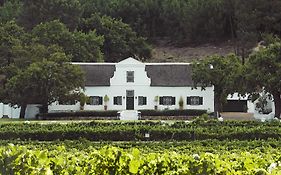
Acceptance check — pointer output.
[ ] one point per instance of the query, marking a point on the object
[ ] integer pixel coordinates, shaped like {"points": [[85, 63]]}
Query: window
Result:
{"points": [[142, 100], [130, 76], [117, 100], [95, 100], [194, 100], [130, 93], [167, 100], [67, 102]]}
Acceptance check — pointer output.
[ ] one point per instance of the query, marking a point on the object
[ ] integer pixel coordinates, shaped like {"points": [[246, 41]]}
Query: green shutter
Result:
{"points": [[144, 101], [115, 100], [100, 100], [173, 100], [200, 100], [188, 101], [161, 100]]}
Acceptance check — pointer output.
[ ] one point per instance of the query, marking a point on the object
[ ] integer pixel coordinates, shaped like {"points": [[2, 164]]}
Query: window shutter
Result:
{"points": [[173, 100], [200, 100], [188, 101], [100, 100], [115, 100], [161, 100], [144, 101]]}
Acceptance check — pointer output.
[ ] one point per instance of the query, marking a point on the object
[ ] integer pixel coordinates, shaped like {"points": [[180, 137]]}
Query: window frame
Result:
{"points": [[117, 100], [98, 101], [190, 100], [67, 102], [130, 78], [167, 100], [142, 100]]}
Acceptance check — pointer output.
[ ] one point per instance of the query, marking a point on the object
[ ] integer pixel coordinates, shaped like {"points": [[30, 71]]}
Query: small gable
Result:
{"points": [[130, 60]]}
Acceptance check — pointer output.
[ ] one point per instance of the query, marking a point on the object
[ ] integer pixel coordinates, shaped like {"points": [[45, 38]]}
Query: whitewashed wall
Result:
{"points": [[9, 111], [150, 93]]}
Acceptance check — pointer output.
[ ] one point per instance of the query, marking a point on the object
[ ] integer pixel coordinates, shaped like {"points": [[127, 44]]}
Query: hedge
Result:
{"points": [[112, 115], [132, 131], [187, 112], [108, 115]]}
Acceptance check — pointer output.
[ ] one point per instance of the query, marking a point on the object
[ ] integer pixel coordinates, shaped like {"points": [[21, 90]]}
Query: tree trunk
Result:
{"points": [[22, 111], [217, 106], [277, 104], [44, 108]]}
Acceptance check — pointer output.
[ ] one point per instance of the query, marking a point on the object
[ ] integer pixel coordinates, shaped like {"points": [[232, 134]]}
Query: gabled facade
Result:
{"points": [[133, 85]]}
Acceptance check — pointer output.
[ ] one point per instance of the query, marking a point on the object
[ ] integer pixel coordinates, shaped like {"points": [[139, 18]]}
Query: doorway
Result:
{"points": [[130, 100]]}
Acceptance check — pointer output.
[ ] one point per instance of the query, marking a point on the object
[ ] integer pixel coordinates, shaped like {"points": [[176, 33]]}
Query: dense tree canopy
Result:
{"points": [[263, 72], [192, 20], [181, 20], [224, 73], [10, 10], [12, 38], [83, 47], [119, 40], [44, 82], [35, 12]]}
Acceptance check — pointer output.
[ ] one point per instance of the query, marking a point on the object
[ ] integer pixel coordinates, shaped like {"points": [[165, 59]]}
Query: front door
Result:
{"points": [[130, 100]]}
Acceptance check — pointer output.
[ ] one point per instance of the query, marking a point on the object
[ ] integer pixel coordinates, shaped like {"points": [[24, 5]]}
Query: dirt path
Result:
{"points": [[237, 116]]}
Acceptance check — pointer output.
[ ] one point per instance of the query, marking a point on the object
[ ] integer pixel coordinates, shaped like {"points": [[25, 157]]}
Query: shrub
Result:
{"points": [[80, 114], [187, 112]]}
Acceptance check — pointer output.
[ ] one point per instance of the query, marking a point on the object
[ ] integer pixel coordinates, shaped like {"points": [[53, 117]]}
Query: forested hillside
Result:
{"points": [[124, 24]]}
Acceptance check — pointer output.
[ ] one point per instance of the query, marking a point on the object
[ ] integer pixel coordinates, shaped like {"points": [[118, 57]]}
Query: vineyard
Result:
{"points": [[198, 147], [114, 160]]}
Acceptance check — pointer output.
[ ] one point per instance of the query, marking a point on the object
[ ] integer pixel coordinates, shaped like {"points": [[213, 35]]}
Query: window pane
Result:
{"points": [[117, 100], [67, 102], [95, 100], [195, 100], [167, 100], [130, 93], [141, 100], [130, 76]]}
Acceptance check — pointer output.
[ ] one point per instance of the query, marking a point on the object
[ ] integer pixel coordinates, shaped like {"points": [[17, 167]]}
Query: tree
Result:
{"points": [[44, 82], [223, 73], [12, 37], [120, 41], [263, 72], [35, 12], [83, 47], [10, 10]]}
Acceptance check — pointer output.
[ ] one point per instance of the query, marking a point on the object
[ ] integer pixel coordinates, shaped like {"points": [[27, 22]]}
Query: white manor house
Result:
{"points": [[133, 85]]}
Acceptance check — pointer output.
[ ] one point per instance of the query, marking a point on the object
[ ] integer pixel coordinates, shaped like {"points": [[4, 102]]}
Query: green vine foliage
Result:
{"points": [[113, 160]]}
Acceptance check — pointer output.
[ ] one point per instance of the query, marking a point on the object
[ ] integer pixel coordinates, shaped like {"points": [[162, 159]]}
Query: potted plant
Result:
{"points": [[181, 103], [83, 100], [156, 99], [105, 99]]}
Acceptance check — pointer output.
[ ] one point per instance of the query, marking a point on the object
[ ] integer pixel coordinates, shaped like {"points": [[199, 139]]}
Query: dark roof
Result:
{"points": [[170, 75], [98, 75]]}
